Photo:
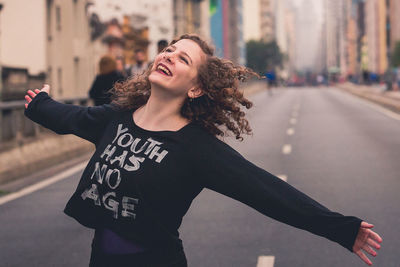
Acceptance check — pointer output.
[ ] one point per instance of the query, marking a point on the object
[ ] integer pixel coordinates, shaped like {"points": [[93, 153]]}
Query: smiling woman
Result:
{"points": [[204, 87], [157, 149]]}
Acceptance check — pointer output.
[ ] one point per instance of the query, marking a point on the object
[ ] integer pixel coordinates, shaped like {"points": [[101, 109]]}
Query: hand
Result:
{"points": [[30, 94], [366, 239]]}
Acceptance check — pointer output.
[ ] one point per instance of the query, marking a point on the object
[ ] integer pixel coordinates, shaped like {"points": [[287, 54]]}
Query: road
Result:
{"points": [[326, 143]]}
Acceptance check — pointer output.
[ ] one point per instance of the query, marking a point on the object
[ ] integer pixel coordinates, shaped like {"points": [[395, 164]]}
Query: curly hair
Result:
{"points": [[220, 104]]}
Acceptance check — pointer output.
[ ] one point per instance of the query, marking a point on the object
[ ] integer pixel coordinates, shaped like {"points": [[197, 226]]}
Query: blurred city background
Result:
{"points": [[326, 114]]}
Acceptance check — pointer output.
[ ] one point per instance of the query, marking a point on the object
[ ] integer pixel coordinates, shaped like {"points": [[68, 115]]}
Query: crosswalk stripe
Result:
{"points": [[265, 261]]}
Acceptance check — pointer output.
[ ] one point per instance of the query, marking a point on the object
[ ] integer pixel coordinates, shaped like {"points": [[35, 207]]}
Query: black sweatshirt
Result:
{"points": [[141, 183]]}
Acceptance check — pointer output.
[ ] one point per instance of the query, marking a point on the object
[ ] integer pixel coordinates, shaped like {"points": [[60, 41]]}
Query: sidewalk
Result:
{"points": [[374, 93]]}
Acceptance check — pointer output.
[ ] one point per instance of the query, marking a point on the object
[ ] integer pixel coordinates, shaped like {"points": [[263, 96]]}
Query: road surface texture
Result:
{"points": [[326, 143]]}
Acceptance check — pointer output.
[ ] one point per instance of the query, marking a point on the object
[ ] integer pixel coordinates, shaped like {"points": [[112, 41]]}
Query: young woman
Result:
{"points": [[157, 148]]}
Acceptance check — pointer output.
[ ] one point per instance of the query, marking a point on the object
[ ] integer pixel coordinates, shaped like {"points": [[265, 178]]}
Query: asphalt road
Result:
{"points": [[328, 144]]}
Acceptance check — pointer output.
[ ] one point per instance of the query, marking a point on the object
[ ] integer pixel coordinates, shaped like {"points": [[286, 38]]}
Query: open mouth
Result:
{"points": [[161, 68]]}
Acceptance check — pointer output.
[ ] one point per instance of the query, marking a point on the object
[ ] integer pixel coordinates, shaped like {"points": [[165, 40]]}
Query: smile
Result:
{"points": [[163, 69]]}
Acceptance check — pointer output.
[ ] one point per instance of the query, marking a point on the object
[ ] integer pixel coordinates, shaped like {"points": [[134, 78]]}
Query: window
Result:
{"points": [[58, 18], [59, 80]]}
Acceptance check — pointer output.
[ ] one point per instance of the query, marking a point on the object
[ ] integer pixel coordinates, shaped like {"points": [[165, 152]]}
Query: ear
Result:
{"points": [[195, 92]]}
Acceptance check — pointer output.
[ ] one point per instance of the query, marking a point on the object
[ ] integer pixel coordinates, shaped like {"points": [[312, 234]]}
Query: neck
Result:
{"points": [[160, 113]]}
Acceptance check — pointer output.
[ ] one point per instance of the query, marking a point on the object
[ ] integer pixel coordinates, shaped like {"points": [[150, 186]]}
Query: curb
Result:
{"points": [[46, 151]]}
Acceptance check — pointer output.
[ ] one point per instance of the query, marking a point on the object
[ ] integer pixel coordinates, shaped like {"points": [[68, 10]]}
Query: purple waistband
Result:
{"points": [[111, 243]]}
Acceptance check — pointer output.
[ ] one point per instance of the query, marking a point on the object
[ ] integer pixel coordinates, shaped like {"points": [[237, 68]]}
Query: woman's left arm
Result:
{"points": [[225, 171]]}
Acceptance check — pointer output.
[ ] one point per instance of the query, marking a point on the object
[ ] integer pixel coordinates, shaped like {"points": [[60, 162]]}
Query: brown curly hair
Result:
{"points": [[219, 106]]}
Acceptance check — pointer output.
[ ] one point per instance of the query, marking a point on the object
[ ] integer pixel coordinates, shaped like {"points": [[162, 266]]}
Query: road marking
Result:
{"points": [[265, 261], [383, 110], [286, 149], [377, 107], [32, 188], [290, 131], [282, 177], [293, 121]]}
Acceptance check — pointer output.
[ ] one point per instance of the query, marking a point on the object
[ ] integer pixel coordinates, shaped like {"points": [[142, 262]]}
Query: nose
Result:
{"points": [[169, 57]]}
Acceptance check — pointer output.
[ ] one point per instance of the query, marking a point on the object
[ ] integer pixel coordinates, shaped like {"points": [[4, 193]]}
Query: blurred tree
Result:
{"points": [[396, 55], [262, 56]]}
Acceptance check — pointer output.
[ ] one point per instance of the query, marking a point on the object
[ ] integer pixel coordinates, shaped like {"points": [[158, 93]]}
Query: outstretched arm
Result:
{"points": [[85, 122], [226, 171]]}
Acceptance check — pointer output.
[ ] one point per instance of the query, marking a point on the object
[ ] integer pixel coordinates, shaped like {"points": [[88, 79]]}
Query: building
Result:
{"points": [[46, 41], [267, 20], [251, 23], [154, 16], [376, 35], [69, 48], [227, 30], [192, 16], [332, 31], [394, 11]]}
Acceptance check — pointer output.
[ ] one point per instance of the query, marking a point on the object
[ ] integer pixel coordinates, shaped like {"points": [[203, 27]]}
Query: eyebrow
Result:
{"points": [[183, 52]]}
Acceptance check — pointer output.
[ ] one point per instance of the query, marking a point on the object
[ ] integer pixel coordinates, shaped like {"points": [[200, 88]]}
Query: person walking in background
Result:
{"points": [[157, 148], [140, 65], [161, 45], [104, 81]]}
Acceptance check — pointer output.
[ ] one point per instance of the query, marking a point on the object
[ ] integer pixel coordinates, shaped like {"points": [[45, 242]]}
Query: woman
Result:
{"points": [[103, 82], [156, 149]]}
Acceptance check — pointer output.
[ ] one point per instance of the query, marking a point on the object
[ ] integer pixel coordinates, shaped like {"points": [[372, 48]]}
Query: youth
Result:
{"points": [[157, 148]]}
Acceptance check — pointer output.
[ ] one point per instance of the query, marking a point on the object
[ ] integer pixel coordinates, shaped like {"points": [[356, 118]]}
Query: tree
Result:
{"points": [[396, 55], [262, 56]]}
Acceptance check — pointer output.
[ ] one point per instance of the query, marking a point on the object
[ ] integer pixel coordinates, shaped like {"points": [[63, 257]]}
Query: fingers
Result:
{"points": [[370, 250], [27, 98], [46, 88], [375, 236], [363, 257], [373, 244], [31, 93], [366, 225]]}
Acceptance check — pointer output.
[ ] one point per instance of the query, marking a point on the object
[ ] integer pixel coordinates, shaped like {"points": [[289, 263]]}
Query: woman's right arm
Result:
{"points": [[85, 122]]}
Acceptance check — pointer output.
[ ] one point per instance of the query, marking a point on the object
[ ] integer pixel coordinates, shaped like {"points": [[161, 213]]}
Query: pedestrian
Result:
{"points": [[104, 81], [161, 45], [157, 148], [140, 65]]}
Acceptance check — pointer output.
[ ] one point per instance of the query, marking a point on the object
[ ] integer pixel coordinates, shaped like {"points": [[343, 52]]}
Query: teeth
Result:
{"points": [[160, 67]]}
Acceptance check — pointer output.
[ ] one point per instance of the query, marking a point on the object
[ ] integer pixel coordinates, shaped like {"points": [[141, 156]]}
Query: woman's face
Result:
{"points": [[176, 68]]}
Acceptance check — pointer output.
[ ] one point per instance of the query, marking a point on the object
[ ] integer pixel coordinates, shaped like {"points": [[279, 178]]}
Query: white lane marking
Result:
{"points": [[265, 261], [282, 177], [385, 111], [32, 188], [290, 131], [286, 149], [293, 121]]}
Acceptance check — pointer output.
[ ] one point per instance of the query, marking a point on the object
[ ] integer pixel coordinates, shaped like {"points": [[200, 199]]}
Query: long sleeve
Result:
{"points": [[85, 122], [224, 170]]}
